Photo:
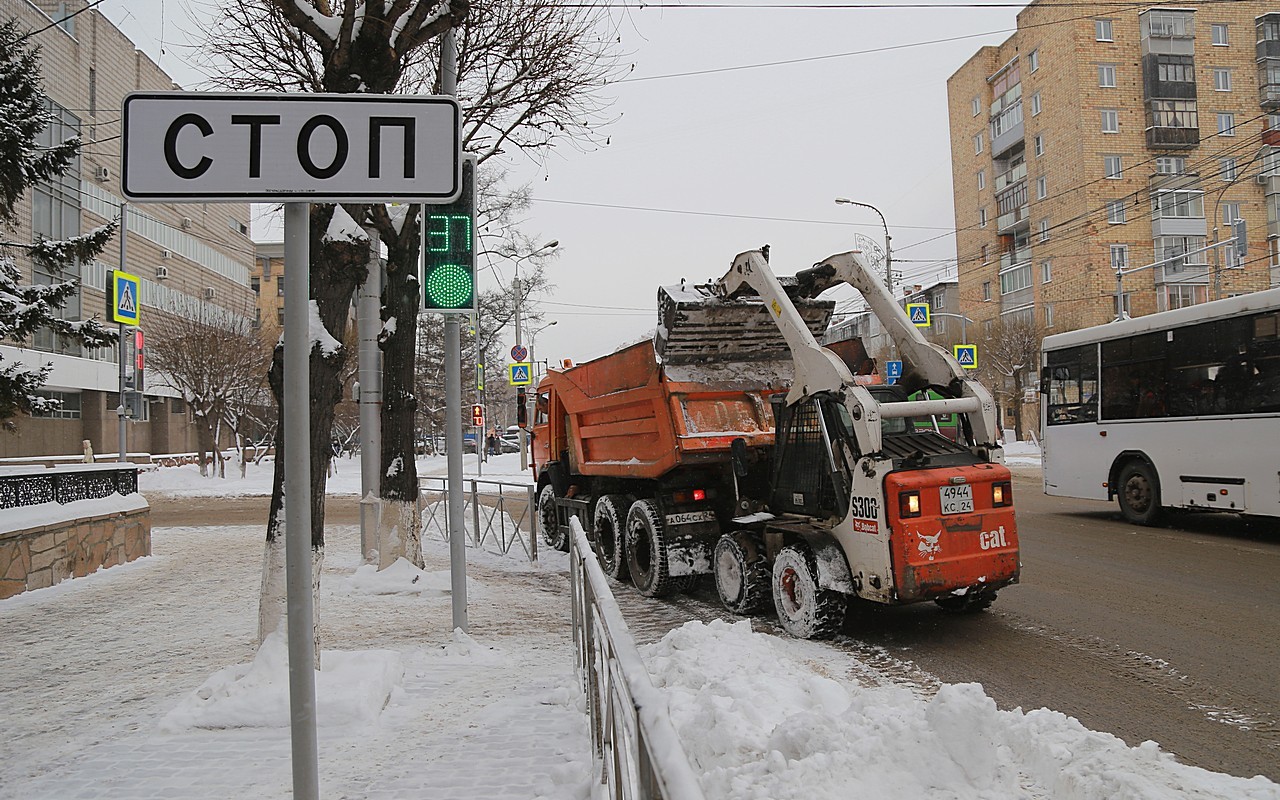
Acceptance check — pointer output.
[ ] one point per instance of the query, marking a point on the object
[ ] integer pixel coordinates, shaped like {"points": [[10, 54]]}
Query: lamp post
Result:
{"points": [[964, 323], [888, 250], [519, 298], [533, 338]]}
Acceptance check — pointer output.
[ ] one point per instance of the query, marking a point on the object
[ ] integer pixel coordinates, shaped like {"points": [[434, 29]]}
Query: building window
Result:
{"points": [[1048, 315], [1046, 271], [1035, 104], [977, 144], [1222, 80], [255, 283], [986, 290], [1110, 120], [177, 406], [1115, 212], [1042, 187], [1102, 30], [1044, 230], [55, 214], [1119, 256], [1174, 114], [1227, 169], [1112, 167], [266, 268], [1039, 145], [982, 218], [280, 286], [1176, 70], [1033, 60], [982, 179], [1226, 123], [1015, 279], [1107, 76], [1218, 31], [1182, 295], [280, 316], [976, 106], [1177, 204], [1171, 165], [70, 408], [1230, 213], [985, 250]]}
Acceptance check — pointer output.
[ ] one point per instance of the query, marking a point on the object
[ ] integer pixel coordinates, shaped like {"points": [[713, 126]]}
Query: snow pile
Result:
{"points": [[401, 577], [350, 688], [54, 513], [1024, 454], [464, 648], [342, 228], [770, 718]]}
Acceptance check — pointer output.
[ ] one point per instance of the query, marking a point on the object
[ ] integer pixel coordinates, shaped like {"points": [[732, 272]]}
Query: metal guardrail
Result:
{"points": [[66, 484], [636, 751], [488, 507]]}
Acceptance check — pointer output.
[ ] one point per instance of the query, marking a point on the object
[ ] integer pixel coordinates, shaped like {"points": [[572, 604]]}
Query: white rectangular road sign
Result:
{"points": [[238, 147]]}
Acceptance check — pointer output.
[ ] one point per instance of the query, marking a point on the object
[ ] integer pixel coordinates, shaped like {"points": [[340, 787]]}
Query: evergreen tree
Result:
{"points": [[26, 308]]}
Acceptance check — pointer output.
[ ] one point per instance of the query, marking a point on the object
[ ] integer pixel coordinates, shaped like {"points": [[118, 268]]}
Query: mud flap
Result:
{"points": [[689, 557], [833, 568]]}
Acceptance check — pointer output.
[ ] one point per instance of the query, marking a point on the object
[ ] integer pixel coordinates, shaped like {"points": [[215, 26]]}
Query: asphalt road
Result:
{"points": [[1170, 634]]}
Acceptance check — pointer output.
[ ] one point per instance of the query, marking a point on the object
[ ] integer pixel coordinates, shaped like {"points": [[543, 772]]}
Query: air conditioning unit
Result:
{"points": [[103, 174], [162, 273], [209, 293], [186, 223], [166, 254], [1261, 179]]}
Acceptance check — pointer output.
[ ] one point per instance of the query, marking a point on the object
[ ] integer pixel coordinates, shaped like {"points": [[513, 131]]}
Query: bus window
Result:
{"points": [[1070, 385]]}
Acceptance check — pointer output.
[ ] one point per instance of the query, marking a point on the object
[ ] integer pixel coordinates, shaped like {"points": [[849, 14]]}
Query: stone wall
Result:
{"points": [[43, 555]]}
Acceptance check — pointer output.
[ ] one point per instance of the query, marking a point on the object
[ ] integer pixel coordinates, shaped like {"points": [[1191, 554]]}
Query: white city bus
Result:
{"points": [[1173, 410]]}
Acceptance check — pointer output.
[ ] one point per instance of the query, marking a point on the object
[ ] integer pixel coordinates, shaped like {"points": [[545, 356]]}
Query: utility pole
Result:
{"points": [[369, 324], [121, 347]]}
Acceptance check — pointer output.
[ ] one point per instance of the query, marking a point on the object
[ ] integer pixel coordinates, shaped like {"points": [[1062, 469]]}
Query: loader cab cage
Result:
{"points": [[812, 470]]}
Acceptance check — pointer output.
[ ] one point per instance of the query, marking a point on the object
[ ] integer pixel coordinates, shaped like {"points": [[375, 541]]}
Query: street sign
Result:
{"points": [[919, 314], [480, 377], [123, 300], [519, 353], [274, 148], [967, 355], [519, 374], [892, 371]]}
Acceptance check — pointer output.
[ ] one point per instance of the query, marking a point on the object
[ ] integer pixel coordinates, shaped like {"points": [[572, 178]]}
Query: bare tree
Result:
{"points": [[217, 361], [1008, 355]]}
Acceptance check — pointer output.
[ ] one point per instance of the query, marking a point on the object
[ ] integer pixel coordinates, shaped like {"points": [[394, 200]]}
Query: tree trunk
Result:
{"points": [[399, 534], [337, 268], [204, 443]]}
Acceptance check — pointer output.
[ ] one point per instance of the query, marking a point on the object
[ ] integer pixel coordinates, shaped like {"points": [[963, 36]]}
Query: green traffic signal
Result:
{"points": [[449, 286], [449, 274]]}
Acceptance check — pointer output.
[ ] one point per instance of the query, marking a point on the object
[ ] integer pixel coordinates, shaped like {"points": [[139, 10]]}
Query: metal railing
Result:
{"points": [[636, 751], [28, 486], [500, 515]]}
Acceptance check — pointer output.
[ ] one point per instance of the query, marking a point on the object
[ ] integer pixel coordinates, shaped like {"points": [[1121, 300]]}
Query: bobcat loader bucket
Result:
{"points": [[697, 327]]}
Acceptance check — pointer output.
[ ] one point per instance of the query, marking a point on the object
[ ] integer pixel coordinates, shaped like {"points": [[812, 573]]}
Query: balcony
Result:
{"points": [[1011, 258], [1159, 138], [1167, 31], [1006, 139], [1011, 176], [1018, 218], [1178, 226]]}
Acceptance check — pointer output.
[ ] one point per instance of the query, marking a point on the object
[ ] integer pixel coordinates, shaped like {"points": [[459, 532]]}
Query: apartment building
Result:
{"points": [[1102, 137], [185, 254]]}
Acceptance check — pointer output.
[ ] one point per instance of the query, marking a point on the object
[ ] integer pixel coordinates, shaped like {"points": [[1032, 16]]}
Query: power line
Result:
{"points": [[691, 213], [54, 24]]}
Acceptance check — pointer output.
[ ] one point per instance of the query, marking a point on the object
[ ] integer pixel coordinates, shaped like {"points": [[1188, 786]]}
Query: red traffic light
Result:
{"points": [[477, 415]]}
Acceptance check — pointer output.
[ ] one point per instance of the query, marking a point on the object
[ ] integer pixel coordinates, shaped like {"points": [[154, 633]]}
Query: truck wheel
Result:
{"points": [[742, 577], [805, 610], [647, 551], [610, 529], [968, 603], [1139, 493], [552, 535]]}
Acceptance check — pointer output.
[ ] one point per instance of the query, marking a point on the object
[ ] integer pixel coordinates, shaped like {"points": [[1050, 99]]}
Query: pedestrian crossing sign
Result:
{"points": [[122, 297], [519, 374], [967, 355], [919, 314]]}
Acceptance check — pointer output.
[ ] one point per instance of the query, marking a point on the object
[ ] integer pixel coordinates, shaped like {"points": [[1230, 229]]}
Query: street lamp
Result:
{"points": [[964, 324], [888, 250], [515, 283], [533, 339]]}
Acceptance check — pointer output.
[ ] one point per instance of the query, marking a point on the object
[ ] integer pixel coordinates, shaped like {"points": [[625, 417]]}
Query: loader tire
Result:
{"points": [[610, 535], [742, 576], [647, 551], [552, 535], [805, 610]]}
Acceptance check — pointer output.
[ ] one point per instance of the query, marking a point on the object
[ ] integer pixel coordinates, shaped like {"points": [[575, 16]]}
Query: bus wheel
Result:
{"points": [[1139, 493], [647, 551], [805, 610], [553, 535], [742, 577], [611, 535]]}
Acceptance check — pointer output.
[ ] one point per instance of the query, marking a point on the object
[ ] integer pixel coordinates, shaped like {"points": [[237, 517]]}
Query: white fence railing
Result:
{"points": [[500, 515], [636, 751]]}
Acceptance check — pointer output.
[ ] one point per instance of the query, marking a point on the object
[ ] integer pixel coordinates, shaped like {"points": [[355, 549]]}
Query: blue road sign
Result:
{"points": [[967, 355], [122, 297], [919, 314], [893, 371], [519, 374], [519, 353]]}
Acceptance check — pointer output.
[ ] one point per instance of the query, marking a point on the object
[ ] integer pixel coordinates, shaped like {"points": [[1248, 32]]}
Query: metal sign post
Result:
{"points": [[296, 149]]}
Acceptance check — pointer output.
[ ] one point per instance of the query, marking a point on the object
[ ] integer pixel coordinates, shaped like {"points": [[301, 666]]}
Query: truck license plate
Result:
{"points": [[956, 499], [691, 516]]}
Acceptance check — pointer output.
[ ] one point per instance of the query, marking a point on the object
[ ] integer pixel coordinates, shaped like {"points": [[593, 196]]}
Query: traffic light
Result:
{"points": [[522, 408], [449, 265], [477, 415]]}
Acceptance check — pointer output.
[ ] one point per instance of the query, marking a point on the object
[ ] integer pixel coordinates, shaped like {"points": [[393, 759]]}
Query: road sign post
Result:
{"points": [[966, 355], [919, 314]]}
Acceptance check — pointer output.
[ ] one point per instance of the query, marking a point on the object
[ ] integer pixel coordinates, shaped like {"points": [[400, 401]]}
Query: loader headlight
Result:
{"points": [[1001, 494], [909, 504]]}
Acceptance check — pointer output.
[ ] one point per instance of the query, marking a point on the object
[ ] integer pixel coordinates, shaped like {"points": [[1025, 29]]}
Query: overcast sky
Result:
{"points": [[729, 160]]}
